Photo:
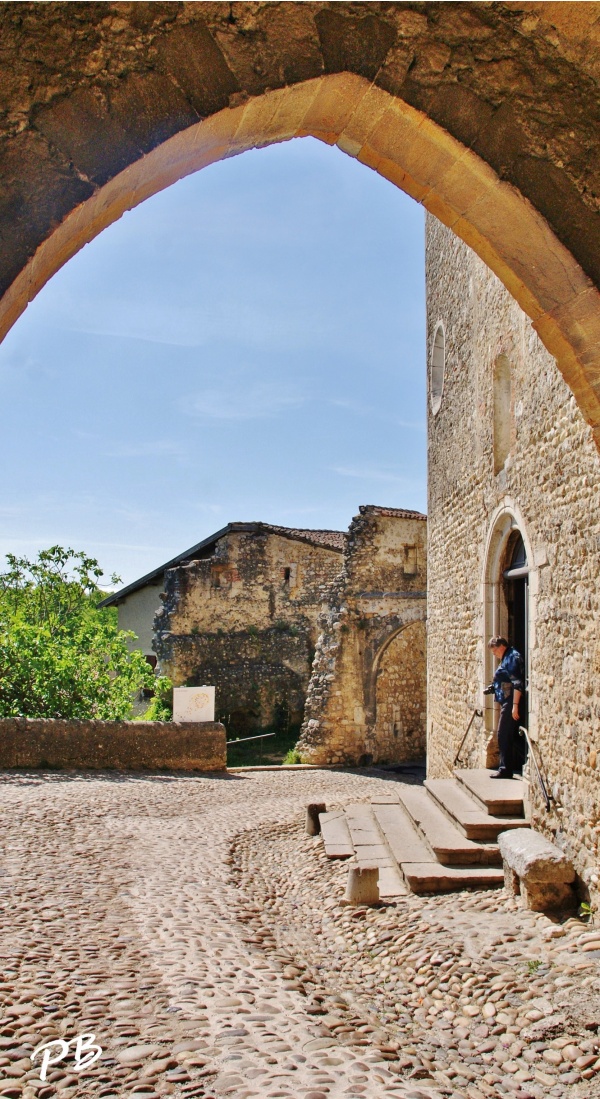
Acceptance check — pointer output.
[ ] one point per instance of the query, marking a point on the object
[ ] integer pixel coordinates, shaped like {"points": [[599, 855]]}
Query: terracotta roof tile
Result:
{"points": [[401, 513], [329, 539]]}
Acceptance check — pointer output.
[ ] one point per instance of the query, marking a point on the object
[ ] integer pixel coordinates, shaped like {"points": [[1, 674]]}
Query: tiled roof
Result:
{"points": [[400, 513], [329, 539]]}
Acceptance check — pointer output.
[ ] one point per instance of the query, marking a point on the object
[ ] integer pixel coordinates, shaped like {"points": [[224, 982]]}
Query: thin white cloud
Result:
{"points": [[252, 315], [371, 473], [412, 425], [258, 401], [151, 449], [369, 410]]}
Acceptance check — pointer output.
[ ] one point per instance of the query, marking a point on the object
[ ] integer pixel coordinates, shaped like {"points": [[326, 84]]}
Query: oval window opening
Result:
{"points": [[436, 372]]}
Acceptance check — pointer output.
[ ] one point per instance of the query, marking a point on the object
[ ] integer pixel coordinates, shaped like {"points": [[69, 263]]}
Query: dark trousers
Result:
{"points": [[507, 733]]}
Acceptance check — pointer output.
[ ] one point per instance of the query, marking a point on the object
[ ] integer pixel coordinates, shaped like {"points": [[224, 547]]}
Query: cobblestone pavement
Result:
{"points": [[191, 925]]}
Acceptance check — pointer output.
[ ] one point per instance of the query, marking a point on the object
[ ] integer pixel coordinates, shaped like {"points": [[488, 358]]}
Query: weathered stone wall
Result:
{"points": [[112, 745], [380, 593], [245, 620], [548, 489], [401, 696]]}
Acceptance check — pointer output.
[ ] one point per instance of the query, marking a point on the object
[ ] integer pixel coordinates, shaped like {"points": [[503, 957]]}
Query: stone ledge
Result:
{"points": [[537, 869], [533, 857], [112, 745]]}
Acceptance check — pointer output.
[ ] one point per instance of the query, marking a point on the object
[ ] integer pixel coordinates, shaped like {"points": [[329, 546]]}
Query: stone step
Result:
{"points": [[420, 870], [362, 825], [372, 850], [500, 797], [354, 831], [430, 877], [336, 835], [466, 814], [401, 836], [450, 846], [391, 882]]}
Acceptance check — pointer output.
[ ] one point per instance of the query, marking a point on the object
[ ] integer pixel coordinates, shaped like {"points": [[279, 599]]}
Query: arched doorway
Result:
{"points": [[399, 731], [516, 592], [509, 603]]}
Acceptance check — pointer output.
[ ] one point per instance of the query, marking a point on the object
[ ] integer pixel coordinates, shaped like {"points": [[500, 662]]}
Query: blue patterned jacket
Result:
{"points": [[509, 676]]}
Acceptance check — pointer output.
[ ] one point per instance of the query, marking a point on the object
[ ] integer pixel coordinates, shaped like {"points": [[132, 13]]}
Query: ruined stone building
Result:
{"points": [[366, 699], [244, 618], [276, 618], [514, 538], [239, 611]]}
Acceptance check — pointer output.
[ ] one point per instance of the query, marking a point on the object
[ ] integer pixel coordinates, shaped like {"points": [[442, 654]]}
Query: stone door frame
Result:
{"points": [[506, 519]]}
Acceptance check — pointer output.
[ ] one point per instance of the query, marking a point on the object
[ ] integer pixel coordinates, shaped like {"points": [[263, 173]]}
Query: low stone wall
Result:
{"points": [[112, 745]]}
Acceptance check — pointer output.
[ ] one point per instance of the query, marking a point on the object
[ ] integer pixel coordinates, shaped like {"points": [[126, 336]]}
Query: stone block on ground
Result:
{"points": [[313, 824], [548, 896], [363, 885], [541, 870]]}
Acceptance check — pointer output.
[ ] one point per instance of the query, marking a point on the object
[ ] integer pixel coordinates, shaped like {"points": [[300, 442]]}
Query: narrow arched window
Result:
{"points": [[502, 411], [436, 369]]}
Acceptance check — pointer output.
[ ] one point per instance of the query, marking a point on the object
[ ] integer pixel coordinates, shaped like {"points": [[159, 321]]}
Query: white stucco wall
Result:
{"points": [[136, 613]]}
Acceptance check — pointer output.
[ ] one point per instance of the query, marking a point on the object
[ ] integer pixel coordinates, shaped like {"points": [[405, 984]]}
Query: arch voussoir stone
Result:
{"points": [[486, 114]]}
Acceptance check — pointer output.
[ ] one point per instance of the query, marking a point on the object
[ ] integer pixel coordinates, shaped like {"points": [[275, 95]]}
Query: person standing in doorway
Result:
{"points": [[508, 686]]}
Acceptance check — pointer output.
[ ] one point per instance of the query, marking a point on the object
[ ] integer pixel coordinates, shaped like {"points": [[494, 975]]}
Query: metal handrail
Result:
{"points": [[241, 739], [476, 713], [546, 796]]}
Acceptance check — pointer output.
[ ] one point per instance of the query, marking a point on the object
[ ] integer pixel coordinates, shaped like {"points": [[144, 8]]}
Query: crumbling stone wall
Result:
{"points": [[378, 597], [245, 620], [548, 488]]}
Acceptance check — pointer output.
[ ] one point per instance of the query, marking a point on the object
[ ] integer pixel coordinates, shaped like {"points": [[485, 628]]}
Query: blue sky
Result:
{"points": [[248, 344]]}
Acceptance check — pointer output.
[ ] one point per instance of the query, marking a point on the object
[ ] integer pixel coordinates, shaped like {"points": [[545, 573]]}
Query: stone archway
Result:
{"points": [[400, 689], [108, 103]]}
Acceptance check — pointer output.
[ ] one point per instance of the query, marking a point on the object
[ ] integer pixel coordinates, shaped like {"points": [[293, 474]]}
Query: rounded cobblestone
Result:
{"points": [[193, 927]]}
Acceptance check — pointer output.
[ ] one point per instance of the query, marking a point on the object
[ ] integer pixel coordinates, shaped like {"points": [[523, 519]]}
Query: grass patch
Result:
{"points": [[292, 757]]}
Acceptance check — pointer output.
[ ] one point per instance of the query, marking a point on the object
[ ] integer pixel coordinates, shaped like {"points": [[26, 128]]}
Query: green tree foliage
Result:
{"points": [[60, 656], [161, 706]]}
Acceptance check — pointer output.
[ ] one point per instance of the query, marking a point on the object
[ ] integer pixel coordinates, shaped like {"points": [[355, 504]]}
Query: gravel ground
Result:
{"points": [[191, 925]]}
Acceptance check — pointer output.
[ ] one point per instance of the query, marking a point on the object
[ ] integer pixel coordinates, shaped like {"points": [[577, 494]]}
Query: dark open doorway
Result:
{"points": [[516, 594]]}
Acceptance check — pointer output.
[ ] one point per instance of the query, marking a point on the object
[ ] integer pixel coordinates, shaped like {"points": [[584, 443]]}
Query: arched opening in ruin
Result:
{"points": [[400, 695], [406, 147], [510, 591]]}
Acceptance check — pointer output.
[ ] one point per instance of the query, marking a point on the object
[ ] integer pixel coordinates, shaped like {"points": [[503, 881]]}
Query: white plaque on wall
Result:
{"points": [[194, 704]]}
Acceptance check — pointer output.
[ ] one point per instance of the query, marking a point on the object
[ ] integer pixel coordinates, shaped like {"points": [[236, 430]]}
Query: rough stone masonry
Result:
{"points": [[366, 697], [510, 456]]}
